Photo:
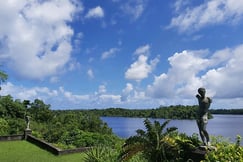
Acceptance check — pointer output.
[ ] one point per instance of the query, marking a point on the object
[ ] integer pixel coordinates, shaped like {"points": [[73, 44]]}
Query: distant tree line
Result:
{"points": [[168, 112], [227, 111]]}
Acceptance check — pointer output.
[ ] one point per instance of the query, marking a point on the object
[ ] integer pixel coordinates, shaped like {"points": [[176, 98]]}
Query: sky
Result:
{"points": [[85, 54]]}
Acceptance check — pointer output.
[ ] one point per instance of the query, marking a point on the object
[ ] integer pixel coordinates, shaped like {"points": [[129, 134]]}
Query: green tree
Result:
{"points": [[4, 127], [39, 111], [10, 108], [155, 143]]}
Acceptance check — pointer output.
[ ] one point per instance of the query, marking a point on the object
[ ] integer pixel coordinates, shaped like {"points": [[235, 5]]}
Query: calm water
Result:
{"points": [[228, 126]]}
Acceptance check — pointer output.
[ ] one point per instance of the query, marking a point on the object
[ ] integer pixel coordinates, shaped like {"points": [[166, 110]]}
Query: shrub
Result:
{"points": [[101, 154], [3, 127], [226, 151]]}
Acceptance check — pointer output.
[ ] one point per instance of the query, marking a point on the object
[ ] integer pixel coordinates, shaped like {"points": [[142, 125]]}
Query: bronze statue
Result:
{"points": [[202, 115]]}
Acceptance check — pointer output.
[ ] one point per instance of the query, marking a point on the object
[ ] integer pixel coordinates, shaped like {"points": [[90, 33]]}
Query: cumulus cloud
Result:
{"points": [[110, 53], [36, 36], [226, 80], [141, 68], [220, 73], [181, 79], [209, 13], [96, 12]]}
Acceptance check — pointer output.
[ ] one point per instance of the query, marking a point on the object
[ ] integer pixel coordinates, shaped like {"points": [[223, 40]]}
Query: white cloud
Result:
{"points": [[102, 89], [134, 8], [102, 98], [140, 69], [226, 80], [220, 74], [37, 36], [180, 80], [58, 98], [126, 92], [209, 13], [110, 53], [96, 12], [20, 92], [69, 96], [90, 73], [143, 50]]}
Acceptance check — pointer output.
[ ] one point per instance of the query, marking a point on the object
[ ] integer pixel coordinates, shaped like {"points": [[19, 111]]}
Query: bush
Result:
{"points": [[101, 154], [226, 151], [4, 127]]}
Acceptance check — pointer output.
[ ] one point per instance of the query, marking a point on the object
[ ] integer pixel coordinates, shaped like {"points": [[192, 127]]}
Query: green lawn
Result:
{"points": [[23, 151]]}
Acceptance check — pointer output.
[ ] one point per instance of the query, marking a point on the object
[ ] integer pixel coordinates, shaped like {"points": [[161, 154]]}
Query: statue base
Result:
{"points": [[27, 132], [209, 148]]}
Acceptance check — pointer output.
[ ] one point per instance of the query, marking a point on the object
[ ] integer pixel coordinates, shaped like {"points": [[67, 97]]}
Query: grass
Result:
{"points": [[23, 151]]}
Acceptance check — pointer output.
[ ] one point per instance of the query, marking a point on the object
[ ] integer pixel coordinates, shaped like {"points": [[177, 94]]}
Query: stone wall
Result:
{"points": [[47, 146], [12, 138], [42, 144]]}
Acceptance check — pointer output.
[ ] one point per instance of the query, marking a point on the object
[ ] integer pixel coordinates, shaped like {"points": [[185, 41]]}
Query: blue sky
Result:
{"points": [[122, 53]]}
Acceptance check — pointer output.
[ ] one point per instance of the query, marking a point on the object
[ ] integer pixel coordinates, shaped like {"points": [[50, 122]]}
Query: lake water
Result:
{"points": [[228, 126]]}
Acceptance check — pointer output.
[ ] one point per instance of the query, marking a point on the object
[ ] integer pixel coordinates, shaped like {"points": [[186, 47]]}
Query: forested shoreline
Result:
{"points": [[46, 122]]}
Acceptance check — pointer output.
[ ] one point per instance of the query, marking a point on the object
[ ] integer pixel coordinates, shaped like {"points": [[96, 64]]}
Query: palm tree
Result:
{"points": [[154, 143]]}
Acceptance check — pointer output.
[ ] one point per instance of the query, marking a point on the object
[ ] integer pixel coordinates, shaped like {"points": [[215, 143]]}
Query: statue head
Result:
{"points": [[202, 91]]}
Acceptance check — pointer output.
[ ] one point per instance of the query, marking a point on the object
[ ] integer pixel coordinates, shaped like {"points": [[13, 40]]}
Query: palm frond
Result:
{"points": [[140, 132], [163, 125], [148, 125], [130, 151]]}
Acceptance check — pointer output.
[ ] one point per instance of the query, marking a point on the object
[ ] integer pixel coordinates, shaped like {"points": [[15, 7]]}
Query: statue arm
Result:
{"points": [[198, 96], [210, 100]]}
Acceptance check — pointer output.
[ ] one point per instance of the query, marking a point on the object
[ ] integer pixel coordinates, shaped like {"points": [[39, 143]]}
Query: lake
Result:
{"points": [[228, 126]]}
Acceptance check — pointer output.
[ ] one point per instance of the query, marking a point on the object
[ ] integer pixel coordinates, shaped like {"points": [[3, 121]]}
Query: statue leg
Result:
{"points": [[202, 134]]}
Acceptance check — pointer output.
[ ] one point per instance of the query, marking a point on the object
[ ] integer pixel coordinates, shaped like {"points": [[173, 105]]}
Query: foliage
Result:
{"points": [[226, 151], [185, 145], [40, 112], [77, 128], [10, 108], [101, 154], [4, 127], [153, 143], [159, 144]]}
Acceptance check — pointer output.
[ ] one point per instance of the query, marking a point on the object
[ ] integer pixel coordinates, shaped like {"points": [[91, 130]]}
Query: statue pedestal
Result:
{"points": [[27, 132]]}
